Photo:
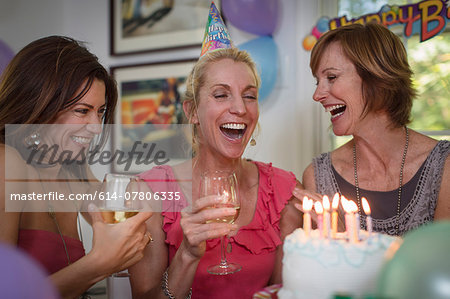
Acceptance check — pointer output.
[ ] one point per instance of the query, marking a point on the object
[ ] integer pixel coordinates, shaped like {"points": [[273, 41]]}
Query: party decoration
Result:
{"points": [[255, 16], [321, 27], [426, 18], [22, 277], [264, 52], [420, 268], [216, 34], [6, 54]]}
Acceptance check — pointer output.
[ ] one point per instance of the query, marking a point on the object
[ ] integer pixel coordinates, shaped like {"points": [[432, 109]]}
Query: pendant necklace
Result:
{"points": [[397, 219]]}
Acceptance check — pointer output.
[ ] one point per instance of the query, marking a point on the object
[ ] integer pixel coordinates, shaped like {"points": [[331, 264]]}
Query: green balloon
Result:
{"points": [[420, 268]]}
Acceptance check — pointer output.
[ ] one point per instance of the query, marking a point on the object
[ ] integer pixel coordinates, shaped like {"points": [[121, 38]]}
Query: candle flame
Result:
{"points": [[366, 206], [318, 207], [335, 203], [307, 204], [326, 203], [352, 206]]}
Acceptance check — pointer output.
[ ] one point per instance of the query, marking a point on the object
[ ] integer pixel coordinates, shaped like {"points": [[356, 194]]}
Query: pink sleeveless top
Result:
{"points": [[48, 249], [253, 247]]}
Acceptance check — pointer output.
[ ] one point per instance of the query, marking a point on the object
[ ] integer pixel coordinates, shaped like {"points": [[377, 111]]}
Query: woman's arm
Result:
{"points": [[114, 248], [290, 219], [146, 276]]}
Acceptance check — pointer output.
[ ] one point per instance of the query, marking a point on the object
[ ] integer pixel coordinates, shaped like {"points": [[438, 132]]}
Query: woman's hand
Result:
{"points": [[118, 246], [299, 194], [195, 229]]}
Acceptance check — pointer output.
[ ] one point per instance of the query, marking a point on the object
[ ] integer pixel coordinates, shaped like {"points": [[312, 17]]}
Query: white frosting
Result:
{"points": [[314, 267]]}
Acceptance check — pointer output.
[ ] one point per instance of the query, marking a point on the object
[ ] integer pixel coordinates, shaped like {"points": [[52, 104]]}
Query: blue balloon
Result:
{"points": [[264, 52], [22, 277], [322, 24]]}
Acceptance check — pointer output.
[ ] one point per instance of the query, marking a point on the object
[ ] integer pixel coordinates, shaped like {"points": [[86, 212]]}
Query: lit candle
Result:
{"points": [[367, 211], [334, 215], [354, 222], [307, 206], [326, 217], [319, 211], [348, 217]]}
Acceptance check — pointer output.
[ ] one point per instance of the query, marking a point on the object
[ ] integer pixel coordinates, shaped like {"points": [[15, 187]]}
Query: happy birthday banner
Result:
{"points": [[427, 19]]}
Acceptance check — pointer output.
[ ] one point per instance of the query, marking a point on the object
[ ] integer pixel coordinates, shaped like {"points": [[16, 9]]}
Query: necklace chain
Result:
{"points": [[397, 219]]}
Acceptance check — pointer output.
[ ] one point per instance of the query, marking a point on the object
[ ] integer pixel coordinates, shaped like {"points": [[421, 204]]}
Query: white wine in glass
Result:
{"points": [[224, 185], [117, 204]]}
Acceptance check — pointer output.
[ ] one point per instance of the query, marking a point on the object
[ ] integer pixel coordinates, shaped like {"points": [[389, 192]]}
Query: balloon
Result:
{"points": [[6, 54], [22, 277], [309, 42], [316, 32], [264, 52], [420, 268], [322, 24], [254, 16]]}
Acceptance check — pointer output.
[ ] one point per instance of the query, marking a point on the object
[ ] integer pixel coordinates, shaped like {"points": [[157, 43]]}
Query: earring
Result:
{"points": [[33, 140], [252, 141]]}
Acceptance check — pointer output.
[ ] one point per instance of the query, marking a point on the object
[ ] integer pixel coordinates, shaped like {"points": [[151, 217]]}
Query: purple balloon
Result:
{"points": [[21, 277], [254, 16], [6, 54]]}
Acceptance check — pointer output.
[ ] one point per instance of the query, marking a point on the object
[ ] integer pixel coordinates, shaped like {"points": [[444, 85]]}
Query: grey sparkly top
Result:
{"points": [[415, 210]]}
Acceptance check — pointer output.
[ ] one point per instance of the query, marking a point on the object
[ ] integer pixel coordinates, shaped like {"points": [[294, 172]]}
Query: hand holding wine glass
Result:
{"points": [[224, 186], [118, 201]]}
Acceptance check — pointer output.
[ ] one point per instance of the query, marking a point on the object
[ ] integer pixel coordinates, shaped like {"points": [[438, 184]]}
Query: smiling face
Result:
{"points": [[227, 112], [74, 128], [339, 90]]}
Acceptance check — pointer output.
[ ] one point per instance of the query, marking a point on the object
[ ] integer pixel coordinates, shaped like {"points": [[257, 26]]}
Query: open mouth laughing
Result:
{"points": [[81, 140], [336, 110], [233, 131]]}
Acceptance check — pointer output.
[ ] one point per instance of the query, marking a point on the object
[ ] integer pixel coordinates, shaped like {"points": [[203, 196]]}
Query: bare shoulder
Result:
{"points": [[13, 162], [308, 178]]}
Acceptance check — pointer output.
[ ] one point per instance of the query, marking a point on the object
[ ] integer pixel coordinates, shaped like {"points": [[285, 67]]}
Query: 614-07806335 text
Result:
{"points": [[58, 196]]}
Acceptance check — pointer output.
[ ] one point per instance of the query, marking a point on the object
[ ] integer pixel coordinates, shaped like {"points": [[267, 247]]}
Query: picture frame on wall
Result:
{"points": [[149, 117], [139, 26]]}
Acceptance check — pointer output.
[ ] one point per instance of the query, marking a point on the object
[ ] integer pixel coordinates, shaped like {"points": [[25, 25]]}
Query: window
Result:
{"points": [[430, 62]]}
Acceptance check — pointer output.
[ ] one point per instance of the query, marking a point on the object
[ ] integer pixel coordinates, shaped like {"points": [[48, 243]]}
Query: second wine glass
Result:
{"points": [[224, 185]]}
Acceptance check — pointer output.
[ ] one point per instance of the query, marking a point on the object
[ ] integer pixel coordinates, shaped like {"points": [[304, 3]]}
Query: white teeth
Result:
{"points": [[234, 126], [81, 140], [336, 115], [331, 108]]}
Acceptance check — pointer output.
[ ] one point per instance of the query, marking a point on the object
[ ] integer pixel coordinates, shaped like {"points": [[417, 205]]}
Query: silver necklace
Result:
{"points": [[397, 219]]}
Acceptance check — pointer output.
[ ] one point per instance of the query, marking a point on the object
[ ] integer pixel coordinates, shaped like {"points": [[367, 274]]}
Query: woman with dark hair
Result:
{"points": [[364, 82], [55, 98]]}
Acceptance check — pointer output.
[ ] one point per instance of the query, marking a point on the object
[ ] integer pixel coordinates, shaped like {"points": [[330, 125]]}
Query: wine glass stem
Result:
{"points": [[223, 258]]}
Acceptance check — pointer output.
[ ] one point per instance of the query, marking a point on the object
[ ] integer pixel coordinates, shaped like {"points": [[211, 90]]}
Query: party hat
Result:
{"points": [[216, 34]]}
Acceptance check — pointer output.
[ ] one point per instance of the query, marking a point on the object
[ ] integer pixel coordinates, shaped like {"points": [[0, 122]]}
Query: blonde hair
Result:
{"points": [[198, 74]]}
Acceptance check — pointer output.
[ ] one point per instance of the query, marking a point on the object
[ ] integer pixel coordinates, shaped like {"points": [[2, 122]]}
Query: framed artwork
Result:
{"points": [[149, 114], [148, 25]]}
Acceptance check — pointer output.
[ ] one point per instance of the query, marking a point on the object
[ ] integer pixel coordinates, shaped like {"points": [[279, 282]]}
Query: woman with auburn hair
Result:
{"points": [[55, 94], [364, 81]]}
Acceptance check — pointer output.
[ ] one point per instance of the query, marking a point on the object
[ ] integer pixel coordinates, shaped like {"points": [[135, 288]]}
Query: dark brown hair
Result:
{"points": [[43, 79], [381, 61]]}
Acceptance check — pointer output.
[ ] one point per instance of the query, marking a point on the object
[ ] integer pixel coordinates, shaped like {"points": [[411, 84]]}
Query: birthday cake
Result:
{"points": [[315, 267]]}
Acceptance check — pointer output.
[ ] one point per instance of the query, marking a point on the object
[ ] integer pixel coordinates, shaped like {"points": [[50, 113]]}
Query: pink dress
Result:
{"points": [[253, 247], [48, 249]]}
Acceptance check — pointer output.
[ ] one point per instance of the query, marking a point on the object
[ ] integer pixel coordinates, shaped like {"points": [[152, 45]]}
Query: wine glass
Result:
{"points": [[224, 185], [117, 202]]}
